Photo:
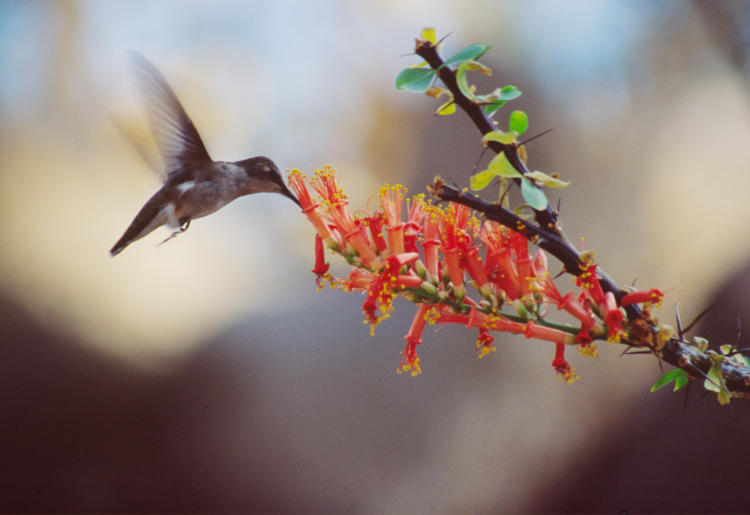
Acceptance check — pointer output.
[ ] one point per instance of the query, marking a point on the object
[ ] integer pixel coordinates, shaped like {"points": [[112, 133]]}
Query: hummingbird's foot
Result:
{"points": [[184, 224]]}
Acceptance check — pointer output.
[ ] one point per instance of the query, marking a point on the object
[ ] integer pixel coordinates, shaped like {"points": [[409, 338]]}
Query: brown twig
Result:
{"points": [[548, 235]]}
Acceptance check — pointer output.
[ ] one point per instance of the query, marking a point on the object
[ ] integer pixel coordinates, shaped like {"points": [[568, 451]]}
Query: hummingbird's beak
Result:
{"points": [[287, 193]]}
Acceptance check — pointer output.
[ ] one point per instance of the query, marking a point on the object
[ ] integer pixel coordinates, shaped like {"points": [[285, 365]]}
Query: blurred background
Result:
{"points": [[207, 374]]}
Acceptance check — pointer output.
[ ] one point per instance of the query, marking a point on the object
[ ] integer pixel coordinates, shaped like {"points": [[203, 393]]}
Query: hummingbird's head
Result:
{"points": [[264, 176]]}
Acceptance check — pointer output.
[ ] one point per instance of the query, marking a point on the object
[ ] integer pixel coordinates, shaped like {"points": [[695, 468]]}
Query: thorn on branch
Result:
{"points": [[532, 138], [697, 319]]}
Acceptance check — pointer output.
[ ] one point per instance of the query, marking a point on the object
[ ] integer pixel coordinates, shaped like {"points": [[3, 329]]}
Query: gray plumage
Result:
{"points": [[194, 184]]}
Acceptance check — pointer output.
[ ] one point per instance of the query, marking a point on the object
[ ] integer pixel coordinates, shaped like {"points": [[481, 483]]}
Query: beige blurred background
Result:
{"points": [[207, 374]]}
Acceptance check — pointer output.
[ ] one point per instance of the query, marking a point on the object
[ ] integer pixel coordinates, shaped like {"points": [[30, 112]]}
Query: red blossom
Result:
{"points": [[455, 272], [523, 262], [309, 208], [413, 225], [550, 334], [409, 358], [337, 211], [431, 243], [654, 296], [382, 286], [499, 263], [388, 266], [392, 200], [375, 223], [321, 267], [589, 283], [613, 317], [562, 367], [484, 343]]}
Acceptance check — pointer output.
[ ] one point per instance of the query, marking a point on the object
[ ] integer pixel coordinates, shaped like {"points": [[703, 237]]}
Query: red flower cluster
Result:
{"points": [[427, 258]]}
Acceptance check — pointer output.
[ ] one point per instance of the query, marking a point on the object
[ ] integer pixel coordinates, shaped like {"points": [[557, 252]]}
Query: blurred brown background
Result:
{"points": [[208, 375]]}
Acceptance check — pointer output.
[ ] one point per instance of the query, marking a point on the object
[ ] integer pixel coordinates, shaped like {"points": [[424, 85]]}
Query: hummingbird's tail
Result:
{"points": [[152, 215], [121, 244]]}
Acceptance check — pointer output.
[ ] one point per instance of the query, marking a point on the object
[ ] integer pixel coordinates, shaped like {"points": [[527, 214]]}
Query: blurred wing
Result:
{"points": [[174, 132], [141, 141]]}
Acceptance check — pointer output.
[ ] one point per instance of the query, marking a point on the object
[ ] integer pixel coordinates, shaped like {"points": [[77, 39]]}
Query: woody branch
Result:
{"points": [[547, 234]]}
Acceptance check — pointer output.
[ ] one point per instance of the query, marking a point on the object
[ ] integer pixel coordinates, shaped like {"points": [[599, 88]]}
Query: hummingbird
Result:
{"points": [[194, 184]]}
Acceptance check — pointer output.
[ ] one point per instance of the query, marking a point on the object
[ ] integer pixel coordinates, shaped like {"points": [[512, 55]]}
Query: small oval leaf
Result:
{"points": [[500, 137], [547, 180], [467, 54], [672, 375], [480, 180], [509, 93], [518, 122], [416, 80], [462, 82], [491, 108], [448, 108], [501, 167], [533, 196], [680, 381], [476, 66], [428, 34]]}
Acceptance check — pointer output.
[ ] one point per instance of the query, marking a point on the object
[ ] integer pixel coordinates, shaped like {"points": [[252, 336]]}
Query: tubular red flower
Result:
{"points": [[507, 278], [613, 317], [523, 263], [476, 270], [309, 208], [413, 225], [336, 202], [550, 334], [588, 281], [383, 286], [409, 358], [321, 267], [484, 343], [544, 282], [562, 367], [392, 200], [431, 243], [654, 296], [499, 263], [455, 272], [496, 323], [375, 223]]}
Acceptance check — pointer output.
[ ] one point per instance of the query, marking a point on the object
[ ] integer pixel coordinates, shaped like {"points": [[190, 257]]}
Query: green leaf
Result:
{"points": [[680, 381], [500, 137], [700, 343], [547, 180], [726, 348], [480, 180], [518, 122], [415, 80], [501, 167], [677, 375], [533, 196], [447, 108], [462, 82], [498, 167], [499, 97], [469, 53], [476, 66], [509, 93], [713, 381], [491, 108], [428, 34]]}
